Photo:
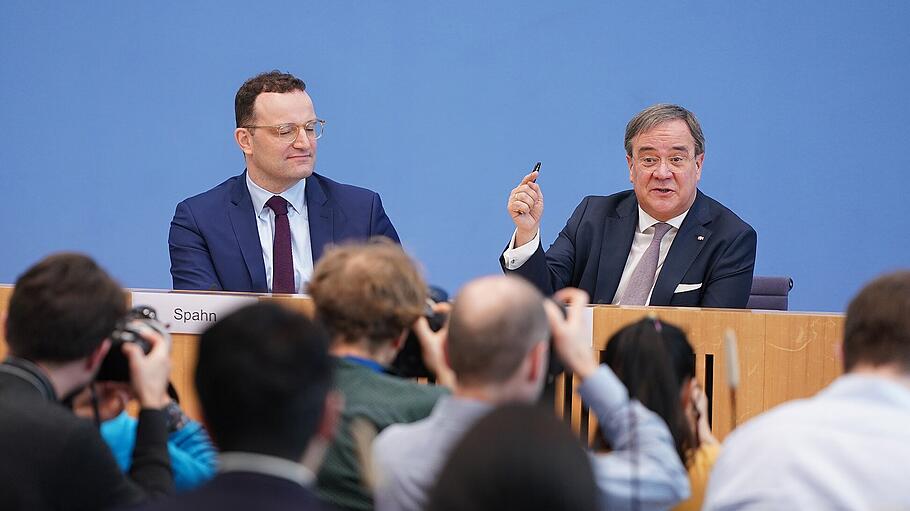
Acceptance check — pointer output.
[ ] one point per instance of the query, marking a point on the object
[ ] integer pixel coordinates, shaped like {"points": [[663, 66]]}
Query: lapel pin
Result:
{"points": [[701, 238]]}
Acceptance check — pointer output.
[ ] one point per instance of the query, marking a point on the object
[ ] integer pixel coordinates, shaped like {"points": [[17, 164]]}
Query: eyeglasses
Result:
{"points": [[676, 163], [288, 133]]}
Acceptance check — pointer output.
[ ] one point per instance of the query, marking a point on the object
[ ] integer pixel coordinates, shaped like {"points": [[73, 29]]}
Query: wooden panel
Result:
{"points": [[5, 292], [783, 356]]}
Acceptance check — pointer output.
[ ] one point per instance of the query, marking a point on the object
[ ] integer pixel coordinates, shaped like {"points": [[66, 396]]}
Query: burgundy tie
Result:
{"points": [[282, 260]]}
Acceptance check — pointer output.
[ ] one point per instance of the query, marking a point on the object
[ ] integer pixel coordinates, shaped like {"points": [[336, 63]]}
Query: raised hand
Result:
{"points": [[526, 208]]}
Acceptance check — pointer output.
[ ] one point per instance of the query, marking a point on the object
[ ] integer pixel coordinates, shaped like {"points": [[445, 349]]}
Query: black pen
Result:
{"points": [[536, 169]]}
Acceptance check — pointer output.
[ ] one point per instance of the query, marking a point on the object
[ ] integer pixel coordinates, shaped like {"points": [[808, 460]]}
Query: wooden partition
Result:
{"points": [[782, 355], [184, 347]]}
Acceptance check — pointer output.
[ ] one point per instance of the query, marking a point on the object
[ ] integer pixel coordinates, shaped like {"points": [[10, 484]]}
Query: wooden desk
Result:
{"points": [[783, 355]]}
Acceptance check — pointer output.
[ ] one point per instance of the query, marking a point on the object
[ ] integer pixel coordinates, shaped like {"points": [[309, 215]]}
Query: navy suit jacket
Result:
{"points": [[214, 241], [243, 491], [713, 247]]}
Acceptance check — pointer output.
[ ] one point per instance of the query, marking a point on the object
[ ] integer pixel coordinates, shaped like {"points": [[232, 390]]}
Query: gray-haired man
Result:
{"points": [[662, 243]]}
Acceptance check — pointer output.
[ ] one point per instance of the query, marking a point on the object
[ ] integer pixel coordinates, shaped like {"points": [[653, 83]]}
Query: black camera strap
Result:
{"points": [[30, 373]]}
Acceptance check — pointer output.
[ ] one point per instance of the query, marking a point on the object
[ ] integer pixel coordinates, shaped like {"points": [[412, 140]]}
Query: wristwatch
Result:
{"points": [[176, 419]]}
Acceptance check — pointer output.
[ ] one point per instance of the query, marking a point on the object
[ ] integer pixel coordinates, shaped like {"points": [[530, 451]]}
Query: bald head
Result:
{"points": [[493, 325]]}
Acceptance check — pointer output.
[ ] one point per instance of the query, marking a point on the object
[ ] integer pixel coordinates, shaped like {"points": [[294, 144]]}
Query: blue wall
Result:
{"points": [[114, 111]]}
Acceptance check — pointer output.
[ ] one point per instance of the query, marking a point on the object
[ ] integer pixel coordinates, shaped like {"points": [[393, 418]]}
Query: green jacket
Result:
{"points": [[383, 400]]}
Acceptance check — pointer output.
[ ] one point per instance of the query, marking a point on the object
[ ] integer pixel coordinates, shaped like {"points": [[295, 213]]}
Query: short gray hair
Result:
{"points": [[659, 114]]}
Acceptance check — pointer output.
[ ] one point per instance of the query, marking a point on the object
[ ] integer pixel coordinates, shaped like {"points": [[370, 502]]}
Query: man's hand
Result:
{"points": [[526, 208], [570, 338], [432, 346], [149, 373]]}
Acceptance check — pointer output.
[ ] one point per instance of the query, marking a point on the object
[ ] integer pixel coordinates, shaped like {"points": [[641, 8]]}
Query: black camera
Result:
{"points": [[409, 361], [129, 329]]}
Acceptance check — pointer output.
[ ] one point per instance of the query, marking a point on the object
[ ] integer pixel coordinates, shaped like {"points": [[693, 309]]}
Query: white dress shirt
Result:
{"points": [[642, 472], [846, 448], [644, 233], [301, 249], [236, 461]]}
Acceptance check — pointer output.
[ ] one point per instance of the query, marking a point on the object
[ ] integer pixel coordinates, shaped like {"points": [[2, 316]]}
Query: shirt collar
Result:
{"points": [[460, 407], [646, 221], [365, 362], [235, 461], [870, 387], [295, 195]]}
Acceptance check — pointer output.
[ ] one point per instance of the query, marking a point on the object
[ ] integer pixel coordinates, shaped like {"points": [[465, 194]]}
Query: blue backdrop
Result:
{"points": [[113, 111]]}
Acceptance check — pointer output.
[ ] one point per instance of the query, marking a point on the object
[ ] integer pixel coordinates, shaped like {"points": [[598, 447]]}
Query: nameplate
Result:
{"points": [[190, 313]]}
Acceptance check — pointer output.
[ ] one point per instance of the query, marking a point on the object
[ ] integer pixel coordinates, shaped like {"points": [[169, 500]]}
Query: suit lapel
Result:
{"points": [[619, 230], [691, 238], [243, 221], [320, 216]]}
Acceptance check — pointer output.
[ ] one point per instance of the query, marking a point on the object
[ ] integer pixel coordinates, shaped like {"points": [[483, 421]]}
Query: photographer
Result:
{"points": [[498, 345], [193, 457], [368, 296], [60, 316]]}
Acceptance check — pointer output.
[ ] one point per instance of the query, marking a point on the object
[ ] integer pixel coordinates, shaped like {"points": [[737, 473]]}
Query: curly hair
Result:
{"points": [[370, 291]]}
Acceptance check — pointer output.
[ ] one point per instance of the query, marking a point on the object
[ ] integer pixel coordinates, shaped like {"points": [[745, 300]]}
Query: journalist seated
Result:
{"points": [[193, 457], [368, 296], [61, 314]]}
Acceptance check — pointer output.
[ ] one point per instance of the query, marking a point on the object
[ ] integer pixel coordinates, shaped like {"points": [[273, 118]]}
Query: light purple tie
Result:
{"points": [[642, 279], [282, 260]]}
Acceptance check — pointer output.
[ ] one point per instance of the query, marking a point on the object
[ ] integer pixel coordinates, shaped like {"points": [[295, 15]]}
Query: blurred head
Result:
{"points": [[877, 328], [655, 361], [264, 102], [665, 150], [262, 378], [498, 337], [62, 309], [367, 292], [517, 457]]}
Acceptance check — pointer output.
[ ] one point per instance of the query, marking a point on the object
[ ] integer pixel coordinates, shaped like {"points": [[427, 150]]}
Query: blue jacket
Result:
{"points": [[713, 248], [214, 242], [193, 457]]}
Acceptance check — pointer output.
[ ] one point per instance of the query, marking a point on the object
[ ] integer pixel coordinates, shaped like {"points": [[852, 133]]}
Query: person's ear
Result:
{"points": [[244, 140], [96, 357], [331, 415], [686, 391], [399, 341], [631, 172], [537, 360]]}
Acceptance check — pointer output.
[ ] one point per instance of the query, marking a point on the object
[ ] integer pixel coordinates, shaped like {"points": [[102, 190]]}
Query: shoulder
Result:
{"points": [[721, 216], [335, 189], [599, 206], [217, 194], [382, 398]]}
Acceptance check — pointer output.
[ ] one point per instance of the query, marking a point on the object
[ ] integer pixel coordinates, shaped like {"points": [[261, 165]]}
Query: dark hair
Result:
{"points": [[517, 457], [271, 81], [367, 290], [62, 308], [877, 328], [653, 359], [262, 378], [660, 113], [493, 325]]}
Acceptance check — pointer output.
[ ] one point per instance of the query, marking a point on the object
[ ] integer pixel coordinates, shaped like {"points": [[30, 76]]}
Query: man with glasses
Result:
{"points": [[263, 230], [662, 243]]}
